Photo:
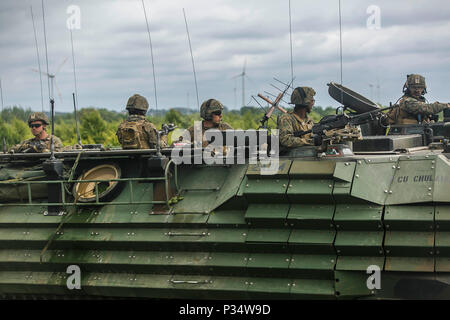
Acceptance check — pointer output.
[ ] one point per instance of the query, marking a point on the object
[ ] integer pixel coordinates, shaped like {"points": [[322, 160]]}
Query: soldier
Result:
{"points": [[38, 121], [136, 132], [412, 106], [211, 111], [297, 120]]}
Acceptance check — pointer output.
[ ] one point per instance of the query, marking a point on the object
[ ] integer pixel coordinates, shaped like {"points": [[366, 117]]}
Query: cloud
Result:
{"points": [[112, 54]]}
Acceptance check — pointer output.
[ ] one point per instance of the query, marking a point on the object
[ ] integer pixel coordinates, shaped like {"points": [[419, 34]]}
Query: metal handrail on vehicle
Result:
{"points": [[97, 200]]}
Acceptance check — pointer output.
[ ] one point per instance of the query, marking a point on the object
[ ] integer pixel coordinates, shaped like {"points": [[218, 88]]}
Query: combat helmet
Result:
{"points": [[209, 107], [302, 95], [38, 116], [415, 81], [137, 102]]}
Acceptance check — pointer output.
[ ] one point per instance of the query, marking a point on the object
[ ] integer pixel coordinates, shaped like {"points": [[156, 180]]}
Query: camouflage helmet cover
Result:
{"points": [[208, 107], [415, 81], [137, 102], [38, 116], [302, 95]]}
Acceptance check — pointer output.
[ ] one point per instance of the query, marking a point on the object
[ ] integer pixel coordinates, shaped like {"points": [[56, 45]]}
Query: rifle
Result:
{"points": [[342, 120]]}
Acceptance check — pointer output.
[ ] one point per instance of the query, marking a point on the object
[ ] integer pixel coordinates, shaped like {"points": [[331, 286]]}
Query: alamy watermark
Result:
{"points": [[374, 20], [374, 280], [229, 147], [74, 280]]}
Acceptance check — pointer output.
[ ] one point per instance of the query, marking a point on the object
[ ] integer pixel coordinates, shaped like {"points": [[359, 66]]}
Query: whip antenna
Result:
{"points": [[76, 119], [74, 96], [50, 93], [38, 59], [52, 101], [151, 53], [192, 57], [290, 38], [340, 49]]}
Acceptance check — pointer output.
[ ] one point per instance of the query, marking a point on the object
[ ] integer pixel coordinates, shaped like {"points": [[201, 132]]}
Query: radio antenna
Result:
{"points": [[192, 57], [52, 101], [340, 49], [290, 38], [76, 119], [151, 53], [38, 59], [74, 96], [46, 53]]}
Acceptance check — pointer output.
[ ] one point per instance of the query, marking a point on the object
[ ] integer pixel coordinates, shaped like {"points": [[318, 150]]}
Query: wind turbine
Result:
{"points": [[53, 79], [243, 75]]}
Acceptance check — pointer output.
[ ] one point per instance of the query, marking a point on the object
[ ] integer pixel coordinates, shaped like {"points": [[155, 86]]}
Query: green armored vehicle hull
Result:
{"points": [[366, 225]]}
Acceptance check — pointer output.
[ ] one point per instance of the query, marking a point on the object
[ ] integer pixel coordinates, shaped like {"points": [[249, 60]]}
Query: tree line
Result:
{"points": [[98, 126]]}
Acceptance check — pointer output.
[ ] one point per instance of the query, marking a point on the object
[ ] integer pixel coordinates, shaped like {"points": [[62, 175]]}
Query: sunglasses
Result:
{"points": [[35, 125], [217, 113]]}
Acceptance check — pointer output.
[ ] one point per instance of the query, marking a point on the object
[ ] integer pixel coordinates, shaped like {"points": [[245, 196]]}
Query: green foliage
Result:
{"points": [[8, 115], [100, 125], [14, 131], [93, 129]]}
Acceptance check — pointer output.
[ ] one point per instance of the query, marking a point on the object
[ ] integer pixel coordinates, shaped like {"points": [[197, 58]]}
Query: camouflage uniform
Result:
{"points": [[38, 145], [136, 132], [147, 132], [409, 108], [222, 126], [289, 123], [207, 109]]}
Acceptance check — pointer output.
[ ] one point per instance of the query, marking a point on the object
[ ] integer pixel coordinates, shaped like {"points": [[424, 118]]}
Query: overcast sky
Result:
{"points": [[113, 61]]}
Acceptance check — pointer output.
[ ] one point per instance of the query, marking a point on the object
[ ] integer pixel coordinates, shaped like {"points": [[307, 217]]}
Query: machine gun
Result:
{"points": [[341, 121], [166, 128]]}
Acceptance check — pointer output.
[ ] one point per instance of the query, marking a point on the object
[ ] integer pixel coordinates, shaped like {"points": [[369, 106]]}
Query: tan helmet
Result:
{"points": [[415, 81], [302, 95], [208, 107], [137, 102], [38, 116]]}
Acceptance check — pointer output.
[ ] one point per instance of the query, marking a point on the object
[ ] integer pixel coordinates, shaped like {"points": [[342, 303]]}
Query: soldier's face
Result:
{"points": [[216, 118], [416, 91], [37, 127], [310, 106]]}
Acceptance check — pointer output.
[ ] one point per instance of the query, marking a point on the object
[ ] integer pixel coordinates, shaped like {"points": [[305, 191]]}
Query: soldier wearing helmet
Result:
{"points": [[298, 119], [211, 111], [38, 121], [136, 132], [412, 106]]}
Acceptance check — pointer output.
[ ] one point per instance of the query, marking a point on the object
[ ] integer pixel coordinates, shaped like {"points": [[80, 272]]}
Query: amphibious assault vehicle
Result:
{"points": [[369, 220]]}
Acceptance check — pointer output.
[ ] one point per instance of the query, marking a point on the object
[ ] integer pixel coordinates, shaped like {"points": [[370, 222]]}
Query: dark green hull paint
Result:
{"points": [[308, 232]]}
